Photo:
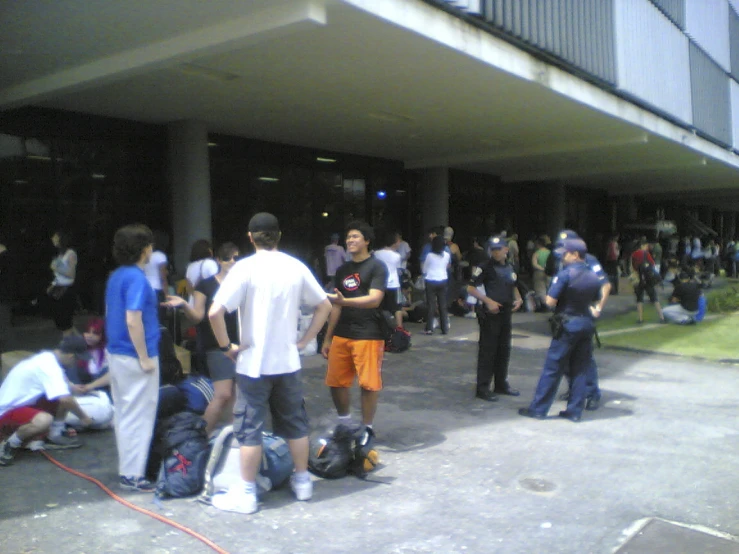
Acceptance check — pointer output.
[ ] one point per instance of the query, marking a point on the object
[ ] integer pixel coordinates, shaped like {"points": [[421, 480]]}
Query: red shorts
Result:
{"points": [[17, 417]]}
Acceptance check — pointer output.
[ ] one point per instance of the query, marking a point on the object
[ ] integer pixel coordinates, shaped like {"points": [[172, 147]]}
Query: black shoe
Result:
{"points": [[507, 390], [569, 415], [528, 413], [592, 404], [565, 396], [486, 395]]}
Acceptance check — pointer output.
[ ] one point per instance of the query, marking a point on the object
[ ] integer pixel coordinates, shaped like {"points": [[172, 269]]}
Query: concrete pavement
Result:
{"points": [[457, 475]]}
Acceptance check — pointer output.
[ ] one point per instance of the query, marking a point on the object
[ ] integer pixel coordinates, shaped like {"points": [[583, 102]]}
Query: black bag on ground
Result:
{"points": [[399, 341], [183, 444], [348, 450]]}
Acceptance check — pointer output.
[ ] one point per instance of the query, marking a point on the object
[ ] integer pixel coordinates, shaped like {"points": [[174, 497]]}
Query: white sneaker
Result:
{"points": [[302, 490], [236, 500]]}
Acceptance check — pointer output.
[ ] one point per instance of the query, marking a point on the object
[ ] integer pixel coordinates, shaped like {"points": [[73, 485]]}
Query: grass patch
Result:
{"points": [[713, 339]]}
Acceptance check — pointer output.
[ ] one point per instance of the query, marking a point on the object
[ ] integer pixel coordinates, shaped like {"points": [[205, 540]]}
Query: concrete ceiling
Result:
{"points": [[334, 77]]}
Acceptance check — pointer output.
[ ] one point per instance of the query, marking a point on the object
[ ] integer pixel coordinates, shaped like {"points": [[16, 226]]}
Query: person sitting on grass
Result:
{"points": [[684, 302], [35, 399]]}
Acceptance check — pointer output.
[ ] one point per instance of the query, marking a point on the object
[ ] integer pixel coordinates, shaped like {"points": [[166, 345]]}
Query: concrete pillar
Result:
{"points": [[435, 198], [189, 179], [556, 206], [628, 210], [730, 224]]}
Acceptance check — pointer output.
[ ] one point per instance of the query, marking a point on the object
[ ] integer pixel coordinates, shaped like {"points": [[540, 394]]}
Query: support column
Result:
{"points": [[556, 207], [435, 198], [189, 179], [730, 224]]}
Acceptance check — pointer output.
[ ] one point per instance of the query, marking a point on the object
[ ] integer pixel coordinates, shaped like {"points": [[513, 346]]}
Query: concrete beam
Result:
{"points": [[594, 171], [529, 152], [222, 37]]}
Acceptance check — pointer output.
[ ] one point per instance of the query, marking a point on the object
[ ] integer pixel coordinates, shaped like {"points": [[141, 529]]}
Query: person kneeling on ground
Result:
{"points": [[684, 302], [34, 390]]}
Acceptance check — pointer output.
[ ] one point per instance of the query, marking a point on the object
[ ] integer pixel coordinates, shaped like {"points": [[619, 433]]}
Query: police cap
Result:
{"points": [[572, 245], [497, 242]]}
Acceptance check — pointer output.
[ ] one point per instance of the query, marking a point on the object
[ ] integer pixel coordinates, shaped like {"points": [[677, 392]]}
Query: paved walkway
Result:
{"points": [[458, 475]]}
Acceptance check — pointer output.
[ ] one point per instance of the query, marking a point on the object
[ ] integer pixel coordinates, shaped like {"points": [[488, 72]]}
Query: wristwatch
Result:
{"points": [[225, 348]]}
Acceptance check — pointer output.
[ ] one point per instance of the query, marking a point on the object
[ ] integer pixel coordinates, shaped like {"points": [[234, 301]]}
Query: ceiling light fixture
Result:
{"points": [[212, 144], [269, 179], [98, 176], [325, 160]]}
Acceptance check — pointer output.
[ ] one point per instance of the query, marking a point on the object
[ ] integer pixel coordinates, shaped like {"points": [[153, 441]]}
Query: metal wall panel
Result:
{"points": [[652, 57], [707, 23], [734, 41], [674, 10], [709, 86], [734, 92], [580, 33]]}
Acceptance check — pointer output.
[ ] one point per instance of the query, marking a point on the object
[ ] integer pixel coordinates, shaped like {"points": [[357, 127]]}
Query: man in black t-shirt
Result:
{"points": [[355, 341], [684, 300]]}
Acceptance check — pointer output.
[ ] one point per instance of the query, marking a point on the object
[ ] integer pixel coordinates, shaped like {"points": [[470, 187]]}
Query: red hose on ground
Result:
{"points": [[144, 511]]}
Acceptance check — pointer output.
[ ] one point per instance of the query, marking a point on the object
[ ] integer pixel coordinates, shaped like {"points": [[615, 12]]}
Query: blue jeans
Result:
{"points": [[570, 355]]}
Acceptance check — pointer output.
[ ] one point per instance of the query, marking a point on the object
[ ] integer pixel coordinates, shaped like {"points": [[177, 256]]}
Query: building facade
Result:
{"points": [[527, 115]]}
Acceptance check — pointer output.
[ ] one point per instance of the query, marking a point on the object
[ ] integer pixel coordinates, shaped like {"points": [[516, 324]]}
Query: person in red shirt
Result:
{"points": [[645, 278]]}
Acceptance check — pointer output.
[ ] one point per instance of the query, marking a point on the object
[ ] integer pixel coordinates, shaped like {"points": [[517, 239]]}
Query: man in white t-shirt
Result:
{"points": [[404, 249], [334, 254], [391, 258], [35, 389], [156, 271], [268, 289]]}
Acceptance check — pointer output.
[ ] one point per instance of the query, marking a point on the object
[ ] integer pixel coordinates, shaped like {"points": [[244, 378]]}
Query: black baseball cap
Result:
{"points": [[74, 345], [264, 222]]}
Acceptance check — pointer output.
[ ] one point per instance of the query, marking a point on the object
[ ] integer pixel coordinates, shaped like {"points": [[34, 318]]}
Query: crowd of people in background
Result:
{"points": [[121, 363]]}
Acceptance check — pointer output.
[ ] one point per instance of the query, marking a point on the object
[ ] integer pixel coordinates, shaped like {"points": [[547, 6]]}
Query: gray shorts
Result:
{"points": [[283, 394], [220, 366]]}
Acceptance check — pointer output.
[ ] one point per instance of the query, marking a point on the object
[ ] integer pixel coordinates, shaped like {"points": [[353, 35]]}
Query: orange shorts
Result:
{"points": [[349, 357]]}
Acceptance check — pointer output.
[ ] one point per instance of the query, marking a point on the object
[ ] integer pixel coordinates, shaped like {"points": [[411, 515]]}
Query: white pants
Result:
{"points": [[96, 405], [675, 313], [135, 396]]}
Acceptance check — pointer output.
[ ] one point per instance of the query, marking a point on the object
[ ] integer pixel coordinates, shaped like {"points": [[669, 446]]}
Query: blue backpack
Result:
{"points": [[184, 446], [223, 466]]}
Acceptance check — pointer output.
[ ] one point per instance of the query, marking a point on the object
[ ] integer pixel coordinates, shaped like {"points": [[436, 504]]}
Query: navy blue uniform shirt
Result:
{"points": [[499, 281], [575, 288]]}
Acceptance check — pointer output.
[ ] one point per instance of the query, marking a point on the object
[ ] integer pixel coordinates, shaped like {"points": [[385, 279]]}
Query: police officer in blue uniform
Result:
{"points": [[592, 390], [573, 292], [494, 315]]}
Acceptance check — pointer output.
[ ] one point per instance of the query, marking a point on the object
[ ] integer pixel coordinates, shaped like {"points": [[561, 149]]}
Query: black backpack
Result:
{"points": [[348, 450], [648, 274], [399, 341]]}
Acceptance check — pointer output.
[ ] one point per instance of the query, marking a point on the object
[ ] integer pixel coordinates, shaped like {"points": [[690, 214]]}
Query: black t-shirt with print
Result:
{"points": [[354, 280], [207, 340]]}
